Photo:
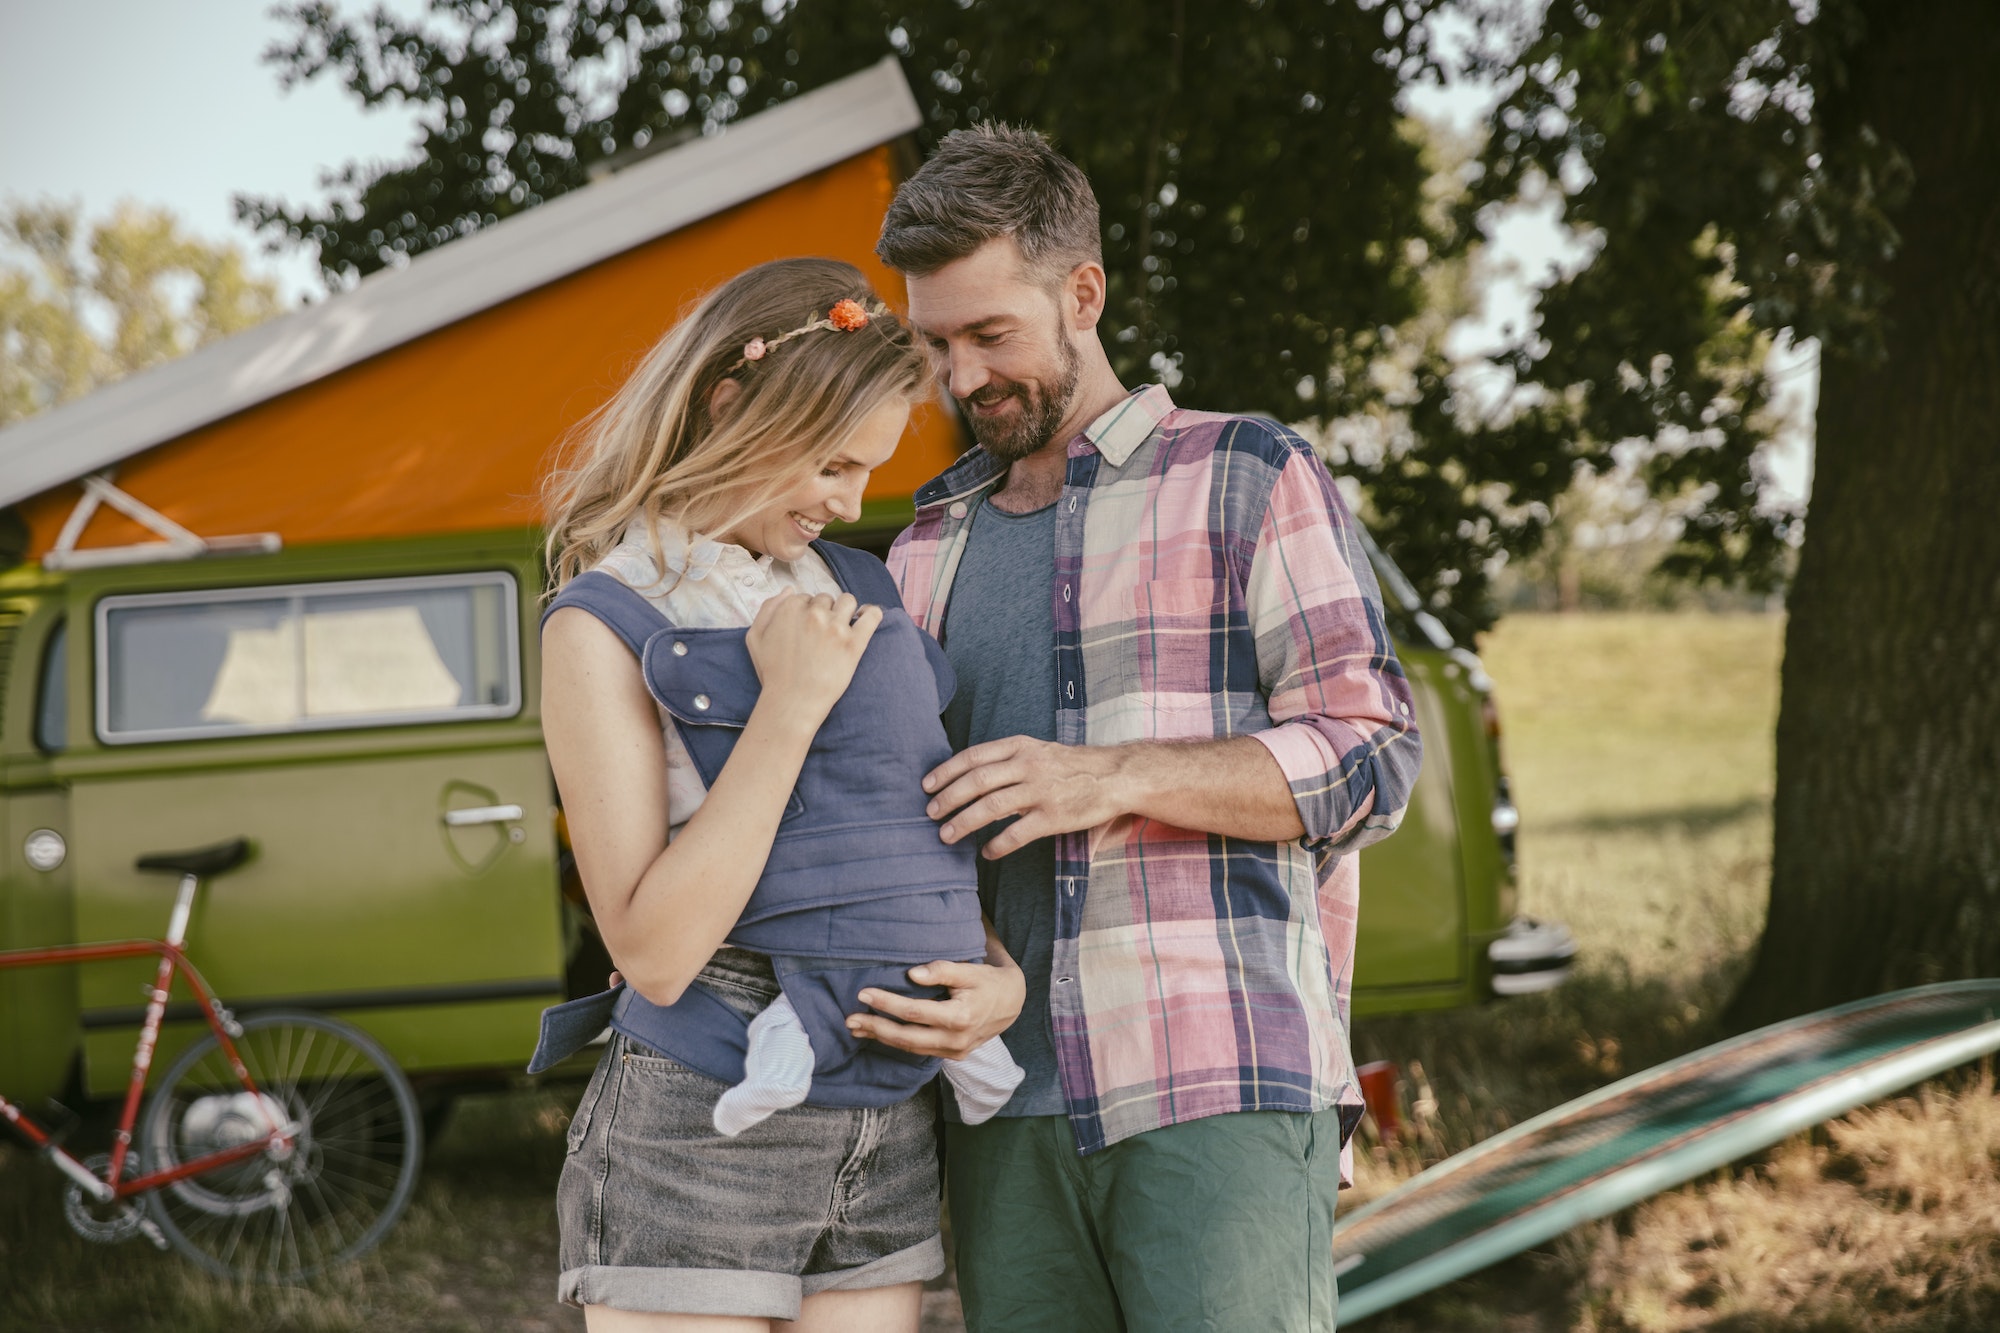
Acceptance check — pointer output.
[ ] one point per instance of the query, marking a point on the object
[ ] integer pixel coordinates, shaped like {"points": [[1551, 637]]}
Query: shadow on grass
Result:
{"points": [[475, 1251], [1696, 819]]}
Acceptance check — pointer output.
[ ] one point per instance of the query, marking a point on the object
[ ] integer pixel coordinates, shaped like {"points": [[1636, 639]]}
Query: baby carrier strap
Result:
{"points": [[706, 1034], [699, 1029], [860, 573], [631, 617], [871, 583]]}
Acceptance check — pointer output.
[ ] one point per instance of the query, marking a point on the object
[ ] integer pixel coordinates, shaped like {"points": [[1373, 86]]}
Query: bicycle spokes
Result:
{"points": [[342, 1142]]}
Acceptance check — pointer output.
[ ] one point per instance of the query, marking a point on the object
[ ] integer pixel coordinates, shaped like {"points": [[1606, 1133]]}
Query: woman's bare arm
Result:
{"points": [[663, 908]]}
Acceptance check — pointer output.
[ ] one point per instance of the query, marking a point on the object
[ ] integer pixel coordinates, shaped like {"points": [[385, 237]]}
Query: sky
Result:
{"points": [[174, 107]]}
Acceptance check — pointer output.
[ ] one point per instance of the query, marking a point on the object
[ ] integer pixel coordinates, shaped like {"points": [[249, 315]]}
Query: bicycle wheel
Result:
{"points": [[283, 1215]]}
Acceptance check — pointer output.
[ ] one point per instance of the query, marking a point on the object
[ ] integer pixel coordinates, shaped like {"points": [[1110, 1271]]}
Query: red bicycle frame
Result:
{"points": [[172, 962]]}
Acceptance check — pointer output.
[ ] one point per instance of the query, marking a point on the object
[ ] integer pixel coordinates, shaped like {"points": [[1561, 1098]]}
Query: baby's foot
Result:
{"points": [[777, 1070]]}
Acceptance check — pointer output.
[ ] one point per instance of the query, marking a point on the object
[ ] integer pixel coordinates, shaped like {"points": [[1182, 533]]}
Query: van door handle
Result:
{"points": [[482, 814]]}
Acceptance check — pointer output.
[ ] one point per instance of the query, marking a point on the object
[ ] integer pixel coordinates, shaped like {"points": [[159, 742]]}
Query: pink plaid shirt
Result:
{"points": [[1208, 583]]}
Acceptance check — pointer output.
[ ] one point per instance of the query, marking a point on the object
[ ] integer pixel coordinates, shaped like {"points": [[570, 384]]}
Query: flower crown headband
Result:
{"points": [[847, 315]]}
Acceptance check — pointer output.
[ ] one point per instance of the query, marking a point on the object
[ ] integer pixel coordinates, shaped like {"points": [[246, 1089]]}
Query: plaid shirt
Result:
{"points": [[1208, 583]]}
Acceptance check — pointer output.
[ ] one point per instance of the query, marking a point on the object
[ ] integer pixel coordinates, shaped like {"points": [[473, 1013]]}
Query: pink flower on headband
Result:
{"points": [[847, 315], [754, 350]]}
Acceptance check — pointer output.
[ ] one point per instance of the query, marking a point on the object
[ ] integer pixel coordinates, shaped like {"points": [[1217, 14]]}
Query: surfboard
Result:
{"points": [[1650, 1132]]}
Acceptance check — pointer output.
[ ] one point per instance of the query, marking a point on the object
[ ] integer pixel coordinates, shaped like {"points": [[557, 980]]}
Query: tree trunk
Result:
{"points": [[1886, 862]]}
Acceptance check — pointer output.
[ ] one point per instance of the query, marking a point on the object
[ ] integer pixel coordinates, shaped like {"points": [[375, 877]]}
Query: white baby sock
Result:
{"points": [[983, 1080], [777, 1070]]}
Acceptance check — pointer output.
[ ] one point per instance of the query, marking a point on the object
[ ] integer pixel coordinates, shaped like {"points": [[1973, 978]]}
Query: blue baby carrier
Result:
{"points": [[858, 887]]}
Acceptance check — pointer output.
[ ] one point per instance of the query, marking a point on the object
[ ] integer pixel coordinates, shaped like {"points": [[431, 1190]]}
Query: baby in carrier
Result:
{"points": [[858, 886]]}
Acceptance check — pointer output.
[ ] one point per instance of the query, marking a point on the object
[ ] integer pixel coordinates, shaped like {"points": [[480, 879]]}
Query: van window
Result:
{"points": [[307, 657], [52, 694]]}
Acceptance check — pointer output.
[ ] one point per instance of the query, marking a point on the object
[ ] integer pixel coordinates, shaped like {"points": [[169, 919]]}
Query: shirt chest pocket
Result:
{"points": [[1180, 633]]}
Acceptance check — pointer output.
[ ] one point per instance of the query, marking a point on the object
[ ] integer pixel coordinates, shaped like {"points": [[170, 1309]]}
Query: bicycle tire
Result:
{"points": [[333, 1197]]}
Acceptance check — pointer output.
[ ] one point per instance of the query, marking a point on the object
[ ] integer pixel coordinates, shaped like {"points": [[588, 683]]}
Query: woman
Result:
{"points": [[702, 486]]}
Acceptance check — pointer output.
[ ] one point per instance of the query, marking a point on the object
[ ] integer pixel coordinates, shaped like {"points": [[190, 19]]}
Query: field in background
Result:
{"points": [[1641, 751]]}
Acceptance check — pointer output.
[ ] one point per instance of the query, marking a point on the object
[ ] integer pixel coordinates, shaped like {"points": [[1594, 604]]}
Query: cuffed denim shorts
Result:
{"points": [[660, 1213]]}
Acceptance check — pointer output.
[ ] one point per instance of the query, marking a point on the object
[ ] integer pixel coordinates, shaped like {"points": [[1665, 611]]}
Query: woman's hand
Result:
{"points": [[805, 649], [985, 1000]]}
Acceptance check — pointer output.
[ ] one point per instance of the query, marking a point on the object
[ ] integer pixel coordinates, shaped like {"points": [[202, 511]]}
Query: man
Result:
{"points": [[1178, 715]]}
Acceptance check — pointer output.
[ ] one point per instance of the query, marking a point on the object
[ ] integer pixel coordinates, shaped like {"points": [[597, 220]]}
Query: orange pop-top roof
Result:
{"points": [[452, 432]]}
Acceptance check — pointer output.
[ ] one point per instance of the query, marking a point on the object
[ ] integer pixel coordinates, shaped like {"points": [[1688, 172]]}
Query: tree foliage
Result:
{"points": [[1273, 222], [81, 306], [1685, 139]]}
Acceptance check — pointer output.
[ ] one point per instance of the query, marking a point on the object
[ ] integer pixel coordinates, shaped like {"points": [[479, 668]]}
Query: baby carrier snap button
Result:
{"points": [[701, 702], [680, 649]]}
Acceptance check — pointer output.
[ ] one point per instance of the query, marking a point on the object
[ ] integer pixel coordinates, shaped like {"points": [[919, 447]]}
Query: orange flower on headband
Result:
{"points": [[846, 316]]}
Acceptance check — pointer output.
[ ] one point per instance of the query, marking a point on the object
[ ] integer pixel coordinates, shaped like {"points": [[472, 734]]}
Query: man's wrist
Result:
{"points": [[1128, 778]]}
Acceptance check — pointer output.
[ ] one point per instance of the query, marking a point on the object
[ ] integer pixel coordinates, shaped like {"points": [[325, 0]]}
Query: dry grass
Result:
{"points": [[1887, 1220]]}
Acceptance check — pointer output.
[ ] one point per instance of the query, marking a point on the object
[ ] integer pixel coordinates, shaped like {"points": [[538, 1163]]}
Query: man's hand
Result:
{"points": [[1233, 787], [985, 1000], [1053, 788]]}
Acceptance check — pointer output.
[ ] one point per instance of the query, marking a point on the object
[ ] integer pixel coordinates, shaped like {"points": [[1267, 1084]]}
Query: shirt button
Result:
{"points": [[957, 509], [1065, 592], [680, 649], [701, 702], [1062, 981], [1072, 504]]}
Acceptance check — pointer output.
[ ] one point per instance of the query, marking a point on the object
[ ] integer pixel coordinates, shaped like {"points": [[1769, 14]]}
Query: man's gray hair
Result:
{"points": [[989, 181]]}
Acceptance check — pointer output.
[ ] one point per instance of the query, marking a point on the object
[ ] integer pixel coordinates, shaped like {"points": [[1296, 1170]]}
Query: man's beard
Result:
{"points": [[1043, 407]]}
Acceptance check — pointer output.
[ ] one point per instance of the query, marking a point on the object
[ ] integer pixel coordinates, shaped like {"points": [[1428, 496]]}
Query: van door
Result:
{"points": [[39, 1036], [373, 737]]}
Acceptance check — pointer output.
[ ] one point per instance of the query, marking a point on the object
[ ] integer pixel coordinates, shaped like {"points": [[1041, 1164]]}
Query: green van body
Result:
{"points": [[445, 939]]}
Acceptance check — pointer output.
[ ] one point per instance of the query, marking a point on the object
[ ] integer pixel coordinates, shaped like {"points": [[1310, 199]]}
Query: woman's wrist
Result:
{"points": [[788, 714]]}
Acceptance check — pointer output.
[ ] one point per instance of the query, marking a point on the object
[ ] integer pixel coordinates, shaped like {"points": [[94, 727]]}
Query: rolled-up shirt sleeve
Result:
{"points": [[1344, 729]]}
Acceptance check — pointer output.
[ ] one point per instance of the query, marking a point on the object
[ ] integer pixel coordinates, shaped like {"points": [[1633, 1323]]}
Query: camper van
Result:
{"points": [[288, 589]]}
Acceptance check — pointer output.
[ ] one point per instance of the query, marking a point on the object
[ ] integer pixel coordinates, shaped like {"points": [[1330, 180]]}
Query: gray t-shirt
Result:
{"points": [[1000, 634]]}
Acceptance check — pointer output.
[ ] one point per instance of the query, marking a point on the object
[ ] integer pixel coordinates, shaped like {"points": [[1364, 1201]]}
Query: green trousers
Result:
{"points": [[1223, 1224]]}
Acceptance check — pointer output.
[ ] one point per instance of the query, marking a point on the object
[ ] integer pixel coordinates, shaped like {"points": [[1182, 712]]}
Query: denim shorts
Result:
{"points": [[662, 1214]]}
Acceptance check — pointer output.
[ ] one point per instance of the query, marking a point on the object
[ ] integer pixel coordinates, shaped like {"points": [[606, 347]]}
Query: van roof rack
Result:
{"points": [[176, 543]]}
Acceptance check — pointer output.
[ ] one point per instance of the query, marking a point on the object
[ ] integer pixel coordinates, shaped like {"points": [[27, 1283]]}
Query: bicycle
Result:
{"points": [[277, 1145]]}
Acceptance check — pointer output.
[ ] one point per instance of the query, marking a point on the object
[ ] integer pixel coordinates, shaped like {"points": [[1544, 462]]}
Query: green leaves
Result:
{"points": [[1278, 237], [82, 307]]}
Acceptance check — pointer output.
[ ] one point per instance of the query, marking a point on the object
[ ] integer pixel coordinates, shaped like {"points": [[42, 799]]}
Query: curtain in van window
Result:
{"points": [[308, 657]]}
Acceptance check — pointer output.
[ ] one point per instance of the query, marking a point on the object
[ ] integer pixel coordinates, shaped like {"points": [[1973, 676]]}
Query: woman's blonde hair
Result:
{"points": [[654, 450]]}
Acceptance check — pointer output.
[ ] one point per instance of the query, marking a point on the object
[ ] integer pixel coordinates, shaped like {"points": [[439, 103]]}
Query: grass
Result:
{"points": [[475, 1252], [1641, 748], [1641, 751]]}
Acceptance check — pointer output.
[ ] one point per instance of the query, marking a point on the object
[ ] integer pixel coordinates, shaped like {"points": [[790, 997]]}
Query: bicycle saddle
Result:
{"points": [[205, 862]]}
